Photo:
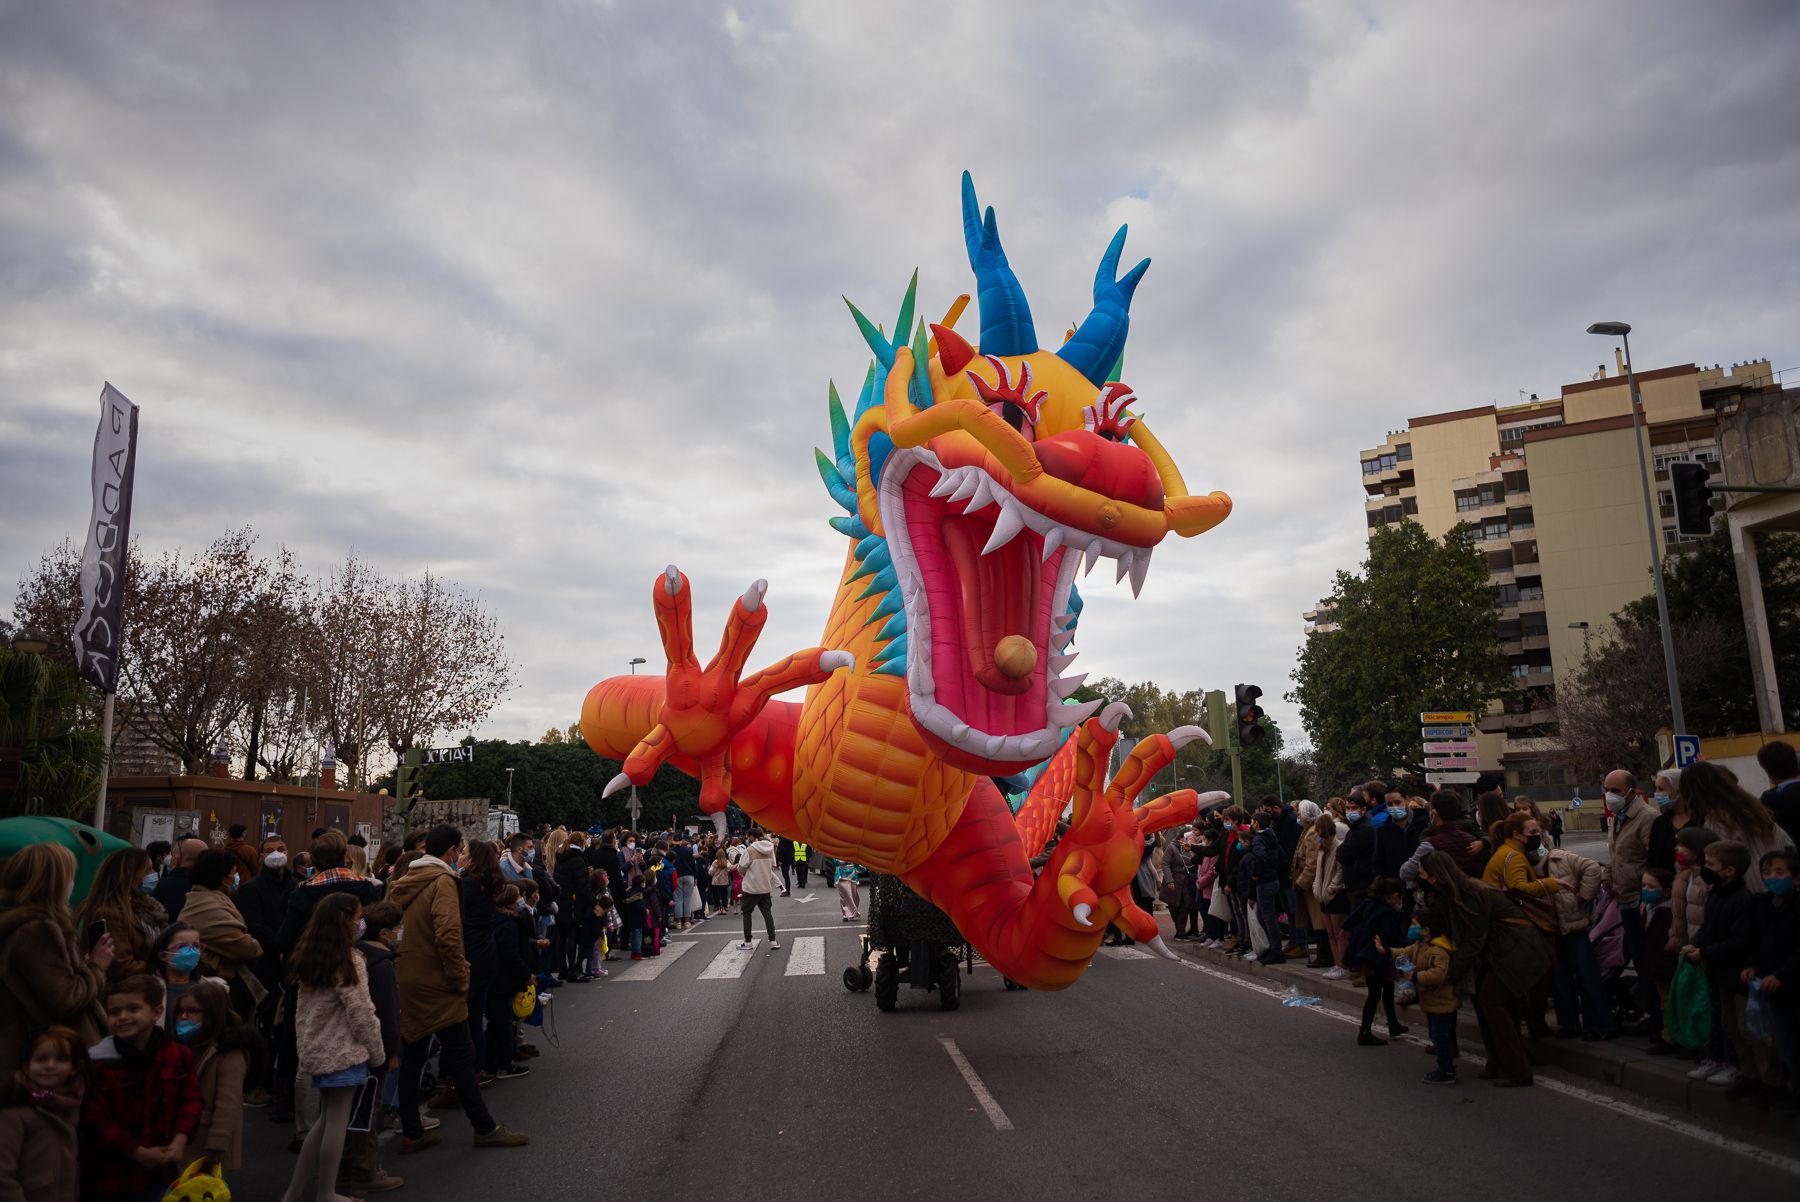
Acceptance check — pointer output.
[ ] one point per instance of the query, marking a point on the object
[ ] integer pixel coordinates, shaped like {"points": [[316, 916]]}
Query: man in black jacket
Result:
{"points": [[172, 887], [1265, 863], [1780, 761]]}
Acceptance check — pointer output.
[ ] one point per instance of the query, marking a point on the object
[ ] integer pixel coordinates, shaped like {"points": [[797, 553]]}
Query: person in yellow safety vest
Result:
{"points": [[800, 851]]}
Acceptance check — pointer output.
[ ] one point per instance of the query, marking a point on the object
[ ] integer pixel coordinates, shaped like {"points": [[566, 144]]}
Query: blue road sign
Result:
{"points": [[1687, 750]]}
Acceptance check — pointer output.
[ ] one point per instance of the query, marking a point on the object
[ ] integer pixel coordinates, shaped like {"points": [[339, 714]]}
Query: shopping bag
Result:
{"points": [[1756, 1016], [1259, 938], [1689, 1012], [1220, 905]]}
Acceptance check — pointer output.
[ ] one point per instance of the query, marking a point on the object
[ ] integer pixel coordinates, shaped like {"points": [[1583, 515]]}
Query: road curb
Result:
{"points": [[1612, 1063]]}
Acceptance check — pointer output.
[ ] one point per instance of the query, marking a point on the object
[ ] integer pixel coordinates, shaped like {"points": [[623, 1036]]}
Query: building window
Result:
{"points": [[1409, 505], [1403, 452], [1371, 467], [1494, 529], [1506, 595], [1531, 592], [1467, 501]]}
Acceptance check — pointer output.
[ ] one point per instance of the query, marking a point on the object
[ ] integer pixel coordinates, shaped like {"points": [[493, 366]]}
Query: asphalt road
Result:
{"points": [[1147, 1080]]}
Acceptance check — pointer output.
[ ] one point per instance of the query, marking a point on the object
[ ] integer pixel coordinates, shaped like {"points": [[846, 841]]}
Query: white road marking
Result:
{"points": [[847, 928], [807, 958], [803, 900], [649, 970], [730, 963], [1124, 953], [995, 1115], [1724, 1143]]}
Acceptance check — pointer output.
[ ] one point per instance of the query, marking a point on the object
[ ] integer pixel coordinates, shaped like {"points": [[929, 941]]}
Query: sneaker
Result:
{"points": [[513, 1070], [1395, 1030], [1440, 1078], [427, 1123], [775, 944], [1368, 1039], [427, 1140], [1724, 1075], [484, 1078], [378, 1184], [1703, 1070], [1336, 974], [746, 946], [1250, 958], [637, 955], [601, 973], [502, 1136]]}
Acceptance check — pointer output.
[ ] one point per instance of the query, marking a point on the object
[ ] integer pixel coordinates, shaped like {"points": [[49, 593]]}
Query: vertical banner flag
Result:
{"points": [[97, 631]]}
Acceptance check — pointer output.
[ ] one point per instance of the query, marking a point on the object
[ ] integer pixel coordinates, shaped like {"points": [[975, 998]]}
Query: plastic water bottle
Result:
{"points": [[1403, 963], [1293, 997]]}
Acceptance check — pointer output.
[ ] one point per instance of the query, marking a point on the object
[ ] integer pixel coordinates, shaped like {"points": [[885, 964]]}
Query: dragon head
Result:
{"points": [[977, 481]]}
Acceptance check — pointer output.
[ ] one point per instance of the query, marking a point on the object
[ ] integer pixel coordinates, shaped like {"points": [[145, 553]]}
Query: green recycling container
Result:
{"points": [[89, 844]]}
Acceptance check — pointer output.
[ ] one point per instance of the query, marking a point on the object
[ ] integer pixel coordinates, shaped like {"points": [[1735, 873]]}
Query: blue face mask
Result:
{"points": [[1663, 801], [185, 959], [186, 1029], [150, 879], [1352, 815], [1650, 896], [1779, 886], [1397, 813], [1414, 933]]}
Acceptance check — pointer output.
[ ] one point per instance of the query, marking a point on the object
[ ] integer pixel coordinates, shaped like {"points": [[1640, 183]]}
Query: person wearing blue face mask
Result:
{"points": [[221, 1044], [176, 955], [1774, 970]]}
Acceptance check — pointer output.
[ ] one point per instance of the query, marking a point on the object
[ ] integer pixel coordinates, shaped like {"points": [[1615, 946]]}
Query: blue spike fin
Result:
{"points": [[840, 492], [840, 426], [919, 388], [890, 607], [849, 525], [884, 350], [867, 545], [885, 581], [894, 650], [895, 626], [893, 667], [1099, 344], [1006, 327], [904, 322]]}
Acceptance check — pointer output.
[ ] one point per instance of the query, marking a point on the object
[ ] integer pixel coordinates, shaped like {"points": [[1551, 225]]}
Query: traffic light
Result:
{"points": [[406, 777], [1249, 732], [1693, 499]]}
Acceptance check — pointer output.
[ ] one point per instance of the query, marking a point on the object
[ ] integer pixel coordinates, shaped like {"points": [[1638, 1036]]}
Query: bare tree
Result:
{"points": [[443, 662], [343, 663], [1611, 708]]}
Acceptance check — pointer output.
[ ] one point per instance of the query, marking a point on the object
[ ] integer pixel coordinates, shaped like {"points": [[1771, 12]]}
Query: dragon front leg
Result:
{"points": [[1042, 932], [710, 721]]}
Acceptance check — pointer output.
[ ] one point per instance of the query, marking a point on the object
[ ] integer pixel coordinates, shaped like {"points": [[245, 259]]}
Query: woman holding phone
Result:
{"points": [[132, 917], [46, 977]]}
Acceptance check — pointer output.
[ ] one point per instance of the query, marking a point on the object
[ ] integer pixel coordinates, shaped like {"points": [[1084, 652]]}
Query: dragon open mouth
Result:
{"points": [[986, 583]]}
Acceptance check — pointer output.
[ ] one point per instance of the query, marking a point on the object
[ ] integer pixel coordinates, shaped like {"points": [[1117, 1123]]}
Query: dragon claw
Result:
{"points": [[1181, 736], [831, 661], [1081, 912], [672, 580], [1114, 715], [1160, 948], [753, 596], [618, 782]]}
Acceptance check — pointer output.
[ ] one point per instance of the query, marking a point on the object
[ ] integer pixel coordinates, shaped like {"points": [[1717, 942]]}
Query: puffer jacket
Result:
{"points": [[757, 862], [432, 972], [1328, 878], [337, 1028], [37, 1156], [1687, 907], [1580, 879], [1628, 850]]}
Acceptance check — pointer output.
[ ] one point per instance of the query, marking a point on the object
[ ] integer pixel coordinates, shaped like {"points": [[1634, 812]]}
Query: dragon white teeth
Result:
{"points": [[1059, 662], [959, 732], [966, 485], [995, 745], [1062, 639], [947, 484], [1052, 541], [1126, 560], [985, 494], [1073, 715], [1140, 568], [1063, 687], [1093, 557], [1006, 526]]}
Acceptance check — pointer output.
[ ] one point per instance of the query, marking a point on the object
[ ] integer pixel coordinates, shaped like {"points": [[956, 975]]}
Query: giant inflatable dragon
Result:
{"points": [[975, 482]]}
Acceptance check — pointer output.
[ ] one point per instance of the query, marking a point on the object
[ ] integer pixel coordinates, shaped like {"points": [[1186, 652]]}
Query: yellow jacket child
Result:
{"points": [[1431, 972]]}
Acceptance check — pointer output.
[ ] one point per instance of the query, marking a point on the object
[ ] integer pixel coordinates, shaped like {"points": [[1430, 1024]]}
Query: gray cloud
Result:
{"points": [[545, 297]]}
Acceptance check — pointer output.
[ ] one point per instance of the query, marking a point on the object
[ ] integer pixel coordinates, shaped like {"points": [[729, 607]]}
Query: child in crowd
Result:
{"points": [[143, 1102], [656, 909], [1775, 960], [176, 955], [361, 1171], [1687, 895], [1657, 962], [1723, 946], [607, 921], [37, 1137], [336, 1031], [1374, 930], [637, 913], [1430, 953], [220, 1042]]}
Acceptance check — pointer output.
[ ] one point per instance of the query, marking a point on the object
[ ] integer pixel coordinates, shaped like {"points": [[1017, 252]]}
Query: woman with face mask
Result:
{"points": [[1519, 866], [1675, 812]]}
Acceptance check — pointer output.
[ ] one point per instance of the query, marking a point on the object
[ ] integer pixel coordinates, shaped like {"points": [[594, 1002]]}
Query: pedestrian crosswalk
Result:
{"points": [[649, 970], [808, 959], [731, 961]]}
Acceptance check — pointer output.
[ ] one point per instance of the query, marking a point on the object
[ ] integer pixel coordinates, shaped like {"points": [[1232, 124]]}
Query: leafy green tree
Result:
{"points": [[1702, 586], [1197, 766], [1416, 631], [558, 784], [51, 753]]}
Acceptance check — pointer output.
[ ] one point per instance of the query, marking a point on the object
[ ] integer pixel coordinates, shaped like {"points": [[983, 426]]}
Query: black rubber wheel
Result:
{"points": [[887, 981], [949, 982], [853, 979], [1010, 984], [868, 978]]}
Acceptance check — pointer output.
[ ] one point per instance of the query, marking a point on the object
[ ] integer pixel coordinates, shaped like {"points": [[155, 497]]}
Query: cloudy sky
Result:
{"points": [[545, 296]]}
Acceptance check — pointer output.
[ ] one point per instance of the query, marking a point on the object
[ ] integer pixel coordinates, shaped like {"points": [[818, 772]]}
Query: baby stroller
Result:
{"points": [[1607, 934]]}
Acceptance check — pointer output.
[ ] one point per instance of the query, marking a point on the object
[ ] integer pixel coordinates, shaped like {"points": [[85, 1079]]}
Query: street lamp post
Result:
{"points": [[1622, 331], [509, 773], [635, 661]]}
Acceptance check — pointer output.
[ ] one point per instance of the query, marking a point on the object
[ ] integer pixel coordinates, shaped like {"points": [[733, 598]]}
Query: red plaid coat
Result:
{"points": [[137, 1101]]}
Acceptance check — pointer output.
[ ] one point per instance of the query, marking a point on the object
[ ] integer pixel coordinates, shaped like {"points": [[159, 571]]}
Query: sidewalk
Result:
{"points": [[1620, 1062]]}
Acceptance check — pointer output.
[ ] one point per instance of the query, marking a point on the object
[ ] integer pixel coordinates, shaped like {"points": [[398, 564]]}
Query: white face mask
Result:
{"points": [[1615, 801], [276, 860]]}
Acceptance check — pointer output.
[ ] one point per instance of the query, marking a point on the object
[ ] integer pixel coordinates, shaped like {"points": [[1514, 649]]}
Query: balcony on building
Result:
{"points": [[1387, 465]]}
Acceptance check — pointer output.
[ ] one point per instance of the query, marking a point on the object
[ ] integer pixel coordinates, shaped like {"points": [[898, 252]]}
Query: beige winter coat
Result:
{"points": [[221, 1130], [1579, 878], [1306, 859], [230, 947], [338, 1028], [1628, 851], [757, 863], [1328, 877]]}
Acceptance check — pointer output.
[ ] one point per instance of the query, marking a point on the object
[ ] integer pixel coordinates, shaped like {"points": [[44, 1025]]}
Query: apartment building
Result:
{"points": [[1553, 490]]}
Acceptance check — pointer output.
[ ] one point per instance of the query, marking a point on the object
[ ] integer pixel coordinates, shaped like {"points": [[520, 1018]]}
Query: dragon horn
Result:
{"points": [[1006, 327], [1097, 345], [954, 352]]}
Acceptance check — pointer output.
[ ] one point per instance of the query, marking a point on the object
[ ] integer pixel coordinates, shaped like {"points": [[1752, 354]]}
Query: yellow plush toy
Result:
{"points": [[202, 1182]]}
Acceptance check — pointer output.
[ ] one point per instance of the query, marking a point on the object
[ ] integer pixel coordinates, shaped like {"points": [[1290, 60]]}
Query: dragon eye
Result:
{"points": [[1107, 416], [1016, 404]]}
